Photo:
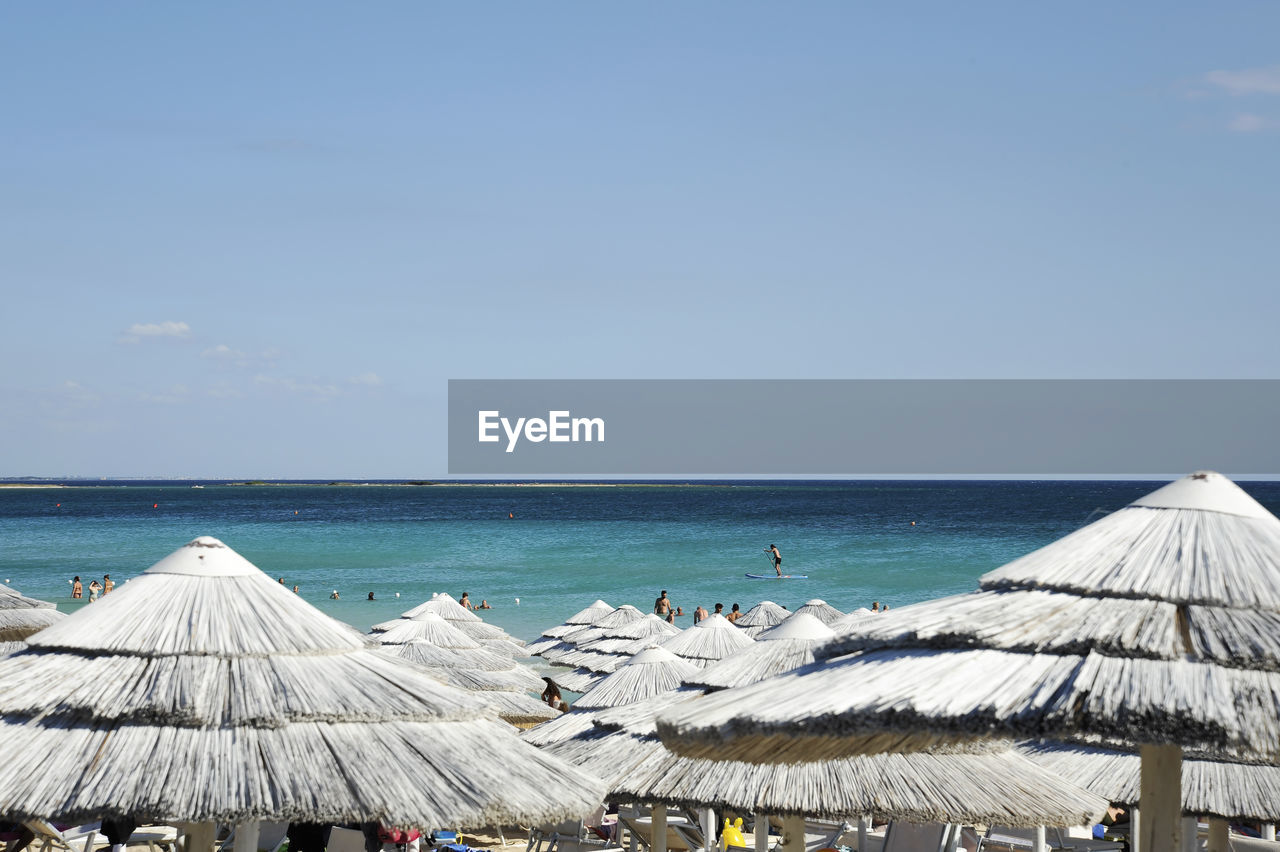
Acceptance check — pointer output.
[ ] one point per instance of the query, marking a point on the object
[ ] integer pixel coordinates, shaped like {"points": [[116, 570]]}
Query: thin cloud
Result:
{"points": [[1247, 122], [287, 384], [371, 380], [224, 354], [1250, 81], [156, 330]]}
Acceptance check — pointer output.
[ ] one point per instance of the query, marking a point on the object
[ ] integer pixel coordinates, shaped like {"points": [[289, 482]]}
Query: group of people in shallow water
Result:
{"points": [[95, 588], [665, 608]]}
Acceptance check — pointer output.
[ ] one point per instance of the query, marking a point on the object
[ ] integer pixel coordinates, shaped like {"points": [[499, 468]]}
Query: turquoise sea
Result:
{"points": [[557, 548]]}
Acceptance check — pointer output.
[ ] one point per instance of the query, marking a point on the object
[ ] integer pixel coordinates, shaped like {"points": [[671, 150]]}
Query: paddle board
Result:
{"points": [[776, 577]]}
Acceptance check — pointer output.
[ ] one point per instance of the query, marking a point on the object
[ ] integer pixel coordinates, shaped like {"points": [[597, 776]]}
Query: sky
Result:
{"points": [[257, 240]]}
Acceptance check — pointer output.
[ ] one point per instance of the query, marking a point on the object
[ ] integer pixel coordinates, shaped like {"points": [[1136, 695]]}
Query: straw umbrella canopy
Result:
{"points": [[203, 690], [1157, 625], [992, 785], [482, 677], [492, 637], [607, 647], [578, 680], [983, 783], [820, 610], [648, 673], [779, 649], [506, 691], [761, 617], [588, 615], [21, 616], [570, 642], [711, 639], [1223, 789]]}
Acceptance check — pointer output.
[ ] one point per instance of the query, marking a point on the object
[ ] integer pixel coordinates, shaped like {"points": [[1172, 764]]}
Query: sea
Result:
{"points": [[537, 553]]}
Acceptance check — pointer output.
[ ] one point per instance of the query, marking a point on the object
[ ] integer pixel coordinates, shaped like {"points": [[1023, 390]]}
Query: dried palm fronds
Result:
{"points": [[567, 726], [579, 680], [203, 690], [821, 610], [428, 627], [713, 638], [445, 607], [1155, 625], [1232, 791], [763, 614], [779, 649], [648, 673], [998, 787], [18, 623]]}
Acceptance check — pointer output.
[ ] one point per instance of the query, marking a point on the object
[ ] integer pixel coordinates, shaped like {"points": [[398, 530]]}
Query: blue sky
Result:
{"points": [[257, 239]]}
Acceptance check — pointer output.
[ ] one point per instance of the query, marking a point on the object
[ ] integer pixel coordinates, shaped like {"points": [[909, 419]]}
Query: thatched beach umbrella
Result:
{"points": [[21, 616], [1158, 625], [506, 691], [551, 636], [779, 649], [605, 647], [820, 610], [711, 639], [983, 783], [987, 785], [648, 673], [492, 637], [761, 617], [578, 680], [571, 642], [203, 690], [1223, 789]]}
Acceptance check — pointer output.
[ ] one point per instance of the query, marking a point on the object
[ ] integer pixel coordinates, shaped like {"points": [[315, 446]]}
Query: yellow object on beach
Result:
{"points": [[731, 835]]}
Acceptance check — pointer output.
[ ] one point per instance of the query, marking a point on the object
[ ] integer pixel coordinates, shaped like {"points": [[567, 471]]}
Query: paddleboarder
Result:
{"points": [[777, 557]]}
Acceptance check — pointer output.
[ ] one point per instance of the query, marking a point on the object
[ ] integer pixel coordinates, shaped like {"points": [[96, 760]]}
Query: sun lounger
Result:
{"points": [[50, 838], [345, 840], [640, 826], [917, 837], [1000, 838]]}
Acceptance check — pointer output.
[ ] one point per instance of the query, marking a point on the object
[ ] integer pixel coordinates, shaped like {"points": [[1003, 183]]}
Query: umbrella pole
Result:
{"points": [[200, 836], [709, 830], [247, 837], [1038, 846], [761, 829], [793, 833], [864, 825], [1161, 798], [1217, 835], [1135, 829], [1269, 831], [659, 827]]}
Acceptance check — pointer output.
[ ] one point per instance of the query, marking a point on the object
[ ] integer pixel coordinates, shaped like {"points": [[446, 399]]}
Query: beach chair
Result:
{"points": [[50, 838], [164, 838], [271, 836], [921, 837], [1002, 838], [345, 840], [639, 824], [821, 834]]}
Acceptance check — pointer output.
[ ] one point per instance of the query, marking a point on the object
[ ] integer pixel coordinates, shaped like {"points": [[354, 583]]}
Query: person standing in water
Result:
{"points": [[777, 557], [107, 584], [77, 590]]}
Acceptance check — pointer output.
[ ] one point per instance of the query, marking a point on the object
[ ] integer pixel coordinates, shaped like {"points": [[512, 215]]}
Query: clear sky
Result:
{"points": [[256, 239]]}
